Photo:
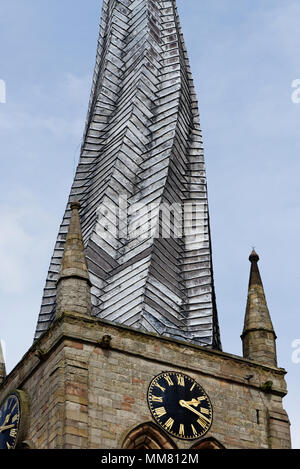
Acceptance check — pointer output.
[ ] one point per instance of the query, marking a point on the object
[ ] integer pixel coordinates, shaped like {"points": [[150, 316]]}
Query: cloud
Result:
{"points": [[72, 90], [23, 238], [15, 244], [59, 127]]}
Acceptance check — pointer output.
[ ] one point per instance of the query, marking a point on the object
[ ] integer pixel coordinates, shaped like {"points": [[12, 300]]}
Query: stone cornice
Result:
{"points": [[89, 330]]}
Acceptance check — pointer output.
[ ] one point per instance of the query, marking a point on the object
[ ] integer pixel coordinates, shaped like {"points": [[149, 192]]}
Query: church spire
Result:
{"points": [[258, 335], [73, 284], [2, 365], [143, 145]]}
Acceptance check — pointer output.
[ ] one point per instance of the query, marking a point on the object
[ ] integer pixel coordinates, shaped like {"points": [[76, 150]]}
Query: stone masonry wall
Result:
{"points": [[84, 396]]}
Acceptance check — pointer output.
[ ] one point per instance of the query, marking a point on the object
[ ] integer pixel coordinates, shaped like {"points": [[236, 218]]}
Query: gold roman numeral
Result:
{"points": [[169, 424], [15, 417], [180, 380], [160, 411], [204, 411], [181, 430], [201, 398], [8, 446], [156, 399], [194, 430], [13, 433], [203, 421], [160, 387], [193, 386], [169, 381]]}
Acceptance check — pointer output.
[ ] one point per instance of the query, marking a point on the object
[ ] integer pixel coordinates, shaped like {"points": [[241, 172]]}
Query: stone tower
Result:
{"points": [[127, 351]]}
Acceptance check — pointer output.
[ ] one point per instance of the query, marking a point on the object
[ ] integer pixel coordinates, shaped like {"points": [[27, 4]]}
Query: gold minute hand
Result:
{"points": [[6, 427], [187, 406], [6, 420]]}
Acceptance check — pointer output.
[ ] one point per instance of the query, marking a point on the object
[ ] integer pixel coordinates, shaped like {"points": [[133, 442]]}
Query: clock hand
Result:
{"points": [[6, 427], [6, 420], [195, 402], [187, 406]]}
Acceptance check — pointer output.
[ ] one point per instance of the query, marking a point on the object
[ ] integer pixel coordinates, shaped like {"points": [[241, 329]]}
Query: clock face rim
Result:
{"points": [[175, 435], [23, 406], [16, 399]]}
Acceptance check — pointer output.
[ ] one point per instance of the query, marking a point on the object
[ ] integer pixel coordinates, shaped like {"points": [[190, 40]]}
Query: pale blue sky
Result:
{"points": [[244, 56]]}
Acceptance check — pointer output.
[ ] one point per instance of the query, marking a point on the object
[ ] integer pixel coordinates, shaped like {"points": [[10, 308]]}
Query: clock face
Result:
{"points": [[180, 405], [9, 422]]}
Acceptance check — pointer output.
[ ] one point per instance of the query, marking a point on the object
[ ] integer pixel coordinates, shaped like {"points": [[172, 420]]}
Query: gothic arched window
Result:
{"points": [[208, 443], [147, 436]]}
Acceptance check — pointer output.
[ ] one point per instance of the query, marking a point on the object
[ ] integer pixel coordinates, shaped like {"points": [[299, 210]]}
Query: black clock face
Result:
{"points": [[180, 405], [9, 422]]}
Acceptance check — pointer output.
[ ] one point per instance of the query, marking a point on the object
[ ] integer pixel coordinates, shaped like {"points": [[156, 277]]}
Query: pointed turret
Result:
{"points": [[258, 335], [73, 285], [2, 365]]}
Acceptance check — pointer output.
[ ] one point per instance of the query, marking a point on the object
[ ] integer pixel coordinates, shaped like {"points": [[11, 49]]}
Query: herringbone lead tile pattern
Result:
{"points": [[143, 141]]}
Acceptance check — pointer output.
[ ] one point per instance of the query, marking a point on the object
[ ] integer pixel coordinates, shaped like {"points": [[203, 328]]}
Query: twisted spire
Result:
{"points": [[143, 144]]}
